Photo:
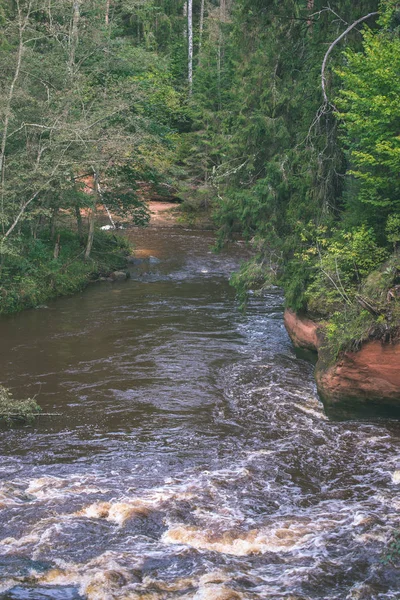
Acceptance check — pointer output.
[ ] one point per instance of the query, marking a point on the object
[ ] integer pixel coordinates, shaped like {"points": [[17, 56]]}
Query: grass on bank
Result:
{"points": [[31, 276]]}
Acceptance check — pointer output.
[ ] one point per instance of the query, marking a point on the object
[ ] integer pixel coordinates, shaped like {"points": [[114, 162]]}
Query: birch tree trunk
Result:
{"points": [[201, 27], [222, 17], [185, 7], [190, 44]]}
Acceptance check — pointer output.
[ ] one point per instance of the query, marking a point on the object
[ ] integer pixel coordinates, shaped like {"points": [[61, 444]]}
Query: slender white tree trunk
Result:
{"points": [[7, 112], [190, 44], [185, 7], [222, 17], [201, 27]]}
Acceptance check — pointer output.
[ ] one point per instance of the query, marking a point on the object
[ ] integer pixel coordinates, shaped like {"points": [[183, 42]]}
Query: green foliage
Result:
{"points": [[392, 552], [370, 116], [251, 276], [393, 229], [340, 263], [348, 328], [319, 191], [32, 276], [12, 410], [77, 100]]}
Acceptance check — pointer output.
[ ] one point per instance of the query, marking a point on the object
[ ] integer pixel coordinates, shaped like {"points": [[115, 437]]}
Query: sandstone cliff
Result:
{"points": [[369, 376]]}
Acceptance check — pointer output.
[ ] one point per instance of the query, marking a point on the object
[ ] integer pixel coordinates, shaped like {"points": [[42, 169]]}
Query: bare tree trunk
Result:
{"points": [[53, 223], [74, 34], [201, 27], [79, 222], [222, 19], [100, 196], [185, 12], [90, 237], [109, 214], [92, 213], [107, 15], [7, 112], [310, 7], [57, 248], [190, 44], [331, 47], [38, 222], [222, 10]]}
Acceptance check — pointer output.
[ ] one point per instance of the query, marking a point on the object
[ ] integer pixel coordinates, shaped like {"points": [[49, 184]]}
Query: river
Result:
{"points": [[183, 452]]}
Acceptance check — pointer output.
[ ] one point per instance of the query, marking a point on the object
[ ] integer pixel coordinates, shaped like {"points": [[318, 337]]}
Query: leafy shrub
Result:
{"points": [[12, 410], [392, 553], [32, 276], [340, 264], [393, 229]]}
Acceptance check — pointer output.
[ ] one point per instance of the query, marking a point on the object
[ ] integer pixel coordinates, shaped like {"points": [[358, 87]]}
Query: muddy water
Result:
{"points": [[184, 452]]}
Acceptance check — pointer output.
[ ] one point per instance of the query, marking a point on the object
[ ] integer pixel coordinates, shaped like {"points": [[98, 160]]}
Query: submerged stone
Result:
{"points": [[118, 276]]}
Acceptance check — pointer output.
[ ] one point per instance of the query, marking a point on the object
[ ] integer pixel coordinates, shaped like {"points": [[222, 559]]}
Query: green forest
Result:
{"points": [[279, 118]]}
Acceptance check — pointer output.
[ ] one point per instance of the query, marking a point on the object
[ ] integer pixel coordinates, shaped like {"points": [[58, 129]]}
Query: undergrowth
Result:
{"points": [[30, 276]]}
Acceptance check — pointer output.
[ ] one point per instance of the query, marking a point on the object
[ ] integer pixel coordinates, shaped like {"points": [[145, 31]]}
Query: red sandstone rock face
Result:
{"points": [[371, 374], [303, 332]]}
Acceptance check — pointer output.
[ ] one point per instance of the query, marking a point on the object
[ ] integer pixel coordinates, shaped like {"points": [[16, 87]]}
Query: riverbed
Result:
{"points": [[183, 451]]}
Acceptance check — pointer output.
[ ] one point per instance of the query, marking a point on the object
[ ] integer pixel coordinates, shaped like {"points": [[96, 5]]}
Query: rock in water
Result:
{"points": [[118, 276], [368, 376]]}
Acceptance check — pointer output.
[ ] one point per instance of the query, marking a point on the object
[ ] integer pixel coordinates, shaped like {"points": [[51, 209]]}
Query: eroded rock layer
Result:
{"points": [[370, 375]]}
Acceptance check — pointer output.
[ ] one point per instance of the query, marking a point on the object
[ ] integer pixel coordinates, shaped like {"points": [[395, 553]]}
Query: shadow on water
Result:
{"points": [[356, 410], [184, 452]]}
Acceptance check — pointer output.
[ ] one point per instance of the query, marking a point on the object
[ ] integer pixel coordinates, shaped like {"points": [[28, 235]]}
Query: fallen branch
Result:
{"points": [[367, 306]]}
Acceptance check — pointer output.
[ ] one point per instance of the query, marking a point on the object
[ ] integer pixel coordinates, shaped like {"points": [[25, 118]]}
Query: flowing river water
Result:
{"points": [[183, 452]]}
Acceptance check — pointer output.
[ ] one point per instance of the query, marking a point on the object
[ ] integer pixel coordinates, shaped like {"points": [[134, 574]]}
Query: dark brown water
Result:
{"points": [[185, 453]]}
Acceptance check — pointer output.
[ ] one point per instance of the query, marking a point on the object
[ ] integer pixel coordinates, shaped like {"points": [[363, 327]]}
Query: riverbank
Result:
{"points": [[36, 274], [53, 265], [40, 272]]}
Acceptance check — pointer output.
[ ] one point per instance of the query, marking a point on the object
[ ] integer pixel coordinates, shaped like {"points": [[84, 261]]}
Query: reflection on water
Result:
{"points": [[184, 453]]}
